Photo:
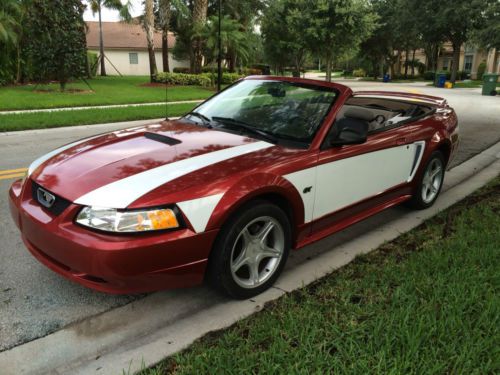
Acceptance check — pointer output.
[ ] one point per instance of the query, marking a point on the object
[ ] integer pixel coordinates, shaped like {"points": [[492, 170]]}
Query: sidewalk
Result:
{"points": [[95, 107]]}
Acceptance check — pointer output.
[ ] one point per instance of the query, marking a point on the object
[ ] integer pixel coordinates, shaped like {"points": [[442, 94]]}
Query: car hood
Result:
{"points": [[115, 169]]}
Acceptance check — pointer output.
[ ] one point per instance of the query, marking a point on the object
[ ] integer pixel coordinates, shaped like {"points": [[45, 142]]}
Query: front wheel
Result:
{"points": [[430, 183], [251, 250]]}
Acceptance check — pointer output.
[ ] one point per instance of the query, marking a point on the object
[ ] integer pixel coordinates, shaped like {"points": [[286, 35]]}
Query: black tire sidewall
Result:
{"points": [[219, 265], [417, 200]]}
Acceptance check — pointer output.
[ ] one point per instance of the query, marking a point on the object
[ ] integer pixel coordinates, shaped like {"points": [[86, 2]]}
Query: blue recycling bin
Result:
{"points": [[386, 78], [440, 79]]}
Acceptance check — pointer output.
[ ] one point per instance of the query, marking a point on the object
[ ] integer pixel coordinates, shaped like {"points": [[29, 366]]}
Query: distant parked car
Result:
{"points": [[223, 194]]}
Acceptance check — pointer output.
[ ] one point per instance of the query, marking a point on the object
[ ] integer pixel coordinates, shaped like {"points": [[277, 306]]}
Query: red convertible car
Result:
{"points": [[267, 165]]}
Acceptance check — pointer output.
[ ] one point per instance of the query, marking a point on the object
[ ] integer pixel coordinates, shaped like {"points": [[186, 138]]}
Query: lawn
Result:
{"points": [[106, 90], [426, 303], [42, 120]]}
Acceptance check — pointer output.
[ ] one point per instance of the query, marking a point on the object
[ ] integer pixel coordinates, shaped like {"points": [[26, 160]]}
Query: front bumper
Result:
{"points": [[110, 263]]}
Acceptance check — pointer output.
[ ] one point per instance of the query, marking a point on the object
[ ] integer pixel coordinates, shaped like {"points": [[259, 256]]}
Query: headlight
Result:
{"points": [[112, 220]]}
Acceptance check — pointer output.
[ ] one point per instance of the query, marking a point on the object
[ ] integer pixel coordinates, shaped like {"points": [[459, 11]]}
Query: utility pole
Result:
{"points": [[219, 43]]}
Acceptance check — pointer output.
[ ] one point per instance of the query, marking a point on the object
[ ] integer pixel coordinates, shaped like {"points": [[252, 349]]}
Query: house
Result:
{"points": [[125, 48], [470, 58]]}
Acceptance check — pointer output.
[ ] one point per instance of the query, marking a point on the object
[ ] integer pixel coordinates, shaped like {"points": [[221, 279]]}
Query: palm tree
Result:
{"points": [[200, 9], [149, 26], [9, 22], [164, 12], [96, 7], [234, 41]]}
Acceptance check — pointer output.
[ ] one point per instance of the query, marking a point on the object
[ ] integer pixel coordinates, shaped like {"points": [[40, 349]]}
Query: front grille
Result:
{"points": [[59, 205]]}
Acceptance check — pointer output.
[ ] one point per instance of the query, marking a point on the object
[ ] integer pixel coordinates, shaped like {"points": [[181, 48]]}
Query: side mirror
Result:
{"points": [[350, 135]]}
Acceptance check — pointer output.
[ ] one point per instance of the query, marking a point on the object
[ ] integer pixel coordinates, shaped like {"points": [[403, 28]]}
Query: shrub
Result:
{"points": [[209, 69], [264, 68], [251, 71], [183, 79], [227, 78], [480, 70], [92, 63], [181, 69], [461, 75], [359, 72], [430, 75]]}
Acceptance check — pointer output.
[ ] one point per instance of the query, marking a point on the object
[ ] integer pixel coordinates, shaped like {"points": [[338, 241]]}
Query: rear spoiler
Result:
{"points": [[407, 96]]}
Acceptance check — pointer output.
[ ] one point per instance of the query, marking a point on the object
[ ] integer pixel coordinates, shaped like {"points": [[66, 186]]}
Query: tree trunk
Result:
{"points": [[413, 63], [199, 19], [164, 51], [101, 45], [328, 66], [407, 52], [436, 58], [456, 61], [398, 63], [165, 22], [149, 24]]}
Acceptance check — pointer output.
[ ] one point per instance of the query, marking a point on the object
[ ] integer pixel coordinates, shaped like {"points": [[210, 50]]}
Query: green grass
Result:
{"points": [[43, 120], [107, 90], [426, 303]]}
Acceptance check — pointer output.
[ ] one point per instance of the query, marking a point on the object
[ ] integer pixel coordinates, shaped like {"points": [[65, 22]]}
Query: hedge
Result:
{"points": [[204, 79]]}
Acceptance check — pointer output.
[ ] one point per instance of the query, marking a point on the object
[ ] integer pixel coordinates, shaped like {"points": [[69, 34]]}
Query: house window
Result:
{"points": [[468, 63], [133, 58]]}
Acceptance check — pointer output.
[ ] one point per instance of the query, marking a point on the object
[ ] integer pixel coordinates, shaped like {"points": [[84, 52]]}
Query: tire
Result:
{"points": [[427, 190], [238, 265]]}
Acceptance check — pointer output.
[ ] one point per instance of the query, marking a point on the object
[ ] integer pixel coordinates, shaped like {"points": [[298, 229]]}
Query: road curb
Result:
{"points": [[81, 108], [145, 331]]}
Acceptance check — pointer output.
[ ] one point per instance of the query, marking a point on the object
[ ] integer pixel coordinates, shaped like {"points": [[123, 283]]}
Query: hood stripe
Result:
{"points": [[122, 193], [42, 159]]}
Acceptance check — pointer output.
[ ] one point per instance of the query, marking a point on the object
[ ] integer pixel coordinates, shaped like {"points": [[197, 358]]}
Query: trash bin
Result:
{"points": [[386, 78], [490, 84], [440, 79]]}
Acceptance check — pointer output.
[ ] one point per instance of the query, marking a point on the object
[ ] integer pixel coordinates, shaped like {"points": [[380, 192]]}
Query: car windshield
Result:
{"points": [[279, 109]]}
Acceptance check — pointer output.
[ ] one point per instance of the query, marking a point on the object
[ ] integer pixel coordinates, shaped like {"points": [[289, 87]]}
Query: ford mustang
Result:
{"points": [[224, 193]]}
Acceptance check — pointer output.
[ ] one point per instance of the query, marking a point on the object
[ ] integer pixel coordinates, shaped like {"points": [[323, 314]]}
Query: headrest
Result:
{"points": [[359, 113]]}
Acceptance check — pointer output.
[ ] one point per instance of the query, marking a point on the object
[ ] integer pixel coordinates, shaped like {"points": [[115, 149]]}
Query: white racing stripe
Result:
{"points": [[198, 211], [44, 158], [122, 193]]}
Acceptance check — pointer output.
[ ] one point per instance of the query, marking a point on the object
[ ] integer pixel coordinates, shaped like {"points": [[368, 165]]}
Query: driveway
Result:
{"points": [[34, 301]]}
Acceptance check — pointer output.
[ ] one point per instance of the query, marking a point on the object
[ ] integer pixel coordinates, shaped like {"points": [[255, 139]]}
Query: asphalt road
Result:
{"points": [[34, 301]]}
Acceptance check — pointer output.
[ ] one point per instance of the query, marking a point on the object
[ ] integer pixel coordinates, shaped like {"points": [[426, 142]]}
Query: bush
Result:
{"points": [[183, 79], [429, 75], [203, 79], [359, 73], [227, 78], [208, 69], [480, 70], [92, 63], [181, 69], [251, 71], [264, 68], [461, 75]]}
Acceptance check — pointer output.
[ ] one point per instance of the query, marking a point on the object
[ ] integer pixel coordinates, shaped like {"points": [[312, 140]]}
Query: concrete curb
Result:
{"points": [[99, 127], [145, 331], [62, 109]]}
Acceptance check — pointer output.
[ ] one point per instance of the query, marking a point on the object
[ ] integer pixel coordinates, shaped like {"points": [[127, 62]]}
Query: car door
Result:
{"points": [[352, 179]]}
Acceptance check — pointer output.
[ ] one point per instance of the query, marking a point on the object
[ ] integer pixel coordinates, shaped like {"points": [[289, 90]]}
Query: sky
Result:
{"points": [[112, 15]]}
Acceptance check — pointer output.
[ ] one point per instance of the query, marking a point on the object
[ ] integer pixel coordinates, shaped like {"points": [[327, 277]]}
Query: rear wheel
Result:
{"points": [[250, 251], [430, 183]]}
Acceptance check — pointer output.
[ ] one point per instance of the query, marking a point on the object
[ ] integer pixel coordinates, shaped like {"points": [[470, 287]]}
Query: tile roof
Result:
{"points": [[122, 35]]}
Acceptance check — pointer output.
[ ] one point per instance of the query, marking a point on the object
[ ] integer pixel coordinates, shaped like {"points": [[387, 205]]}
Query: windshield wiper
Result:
{"points": [[243, 125], [204, 119]]}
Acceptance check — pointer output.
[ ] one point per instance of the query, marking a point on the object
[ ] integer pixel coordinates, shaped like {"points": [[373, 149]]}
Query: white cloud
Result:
{"points": [[112, 15]]}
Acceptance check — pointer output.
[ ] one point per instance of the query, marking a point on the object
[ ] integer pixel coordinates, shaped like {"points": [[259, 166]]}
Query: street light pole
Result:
{"points": [[219, 58]]}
